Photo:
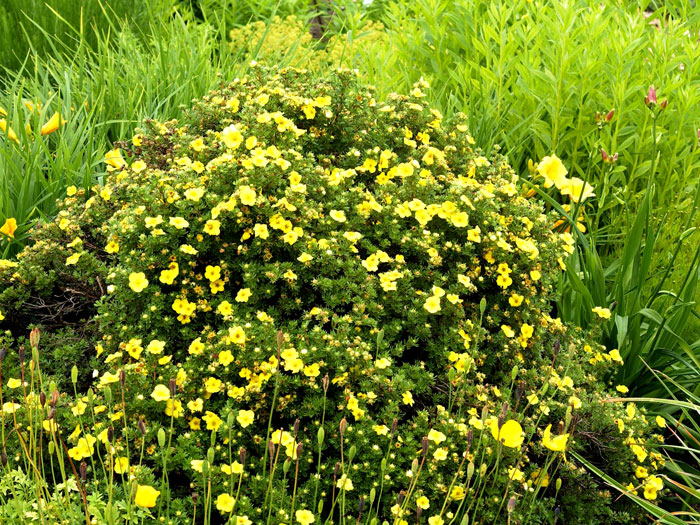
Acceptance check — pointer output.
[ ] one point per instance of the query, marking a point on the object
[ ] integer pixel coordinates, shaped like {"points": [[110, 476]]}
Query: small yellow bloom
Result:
{"points": [[510, 434], [9, 228], [245, 418], [304, 517], [146, 496], [224, 503], [556, 444], [138, 281]]}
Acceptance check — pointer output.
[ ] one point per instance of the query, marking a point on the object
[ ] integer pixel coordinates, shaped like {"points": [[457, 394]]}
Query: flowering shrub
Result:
{"points": [[307, 304]]}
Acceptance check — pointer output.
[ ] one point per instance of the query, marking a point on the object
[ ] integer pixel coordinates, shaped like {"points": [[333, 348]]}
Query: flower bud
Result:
{"points": [[296, 427], [511, 504], [142, 427], [394, 425], [402, 495], [83, 471], [42, 399], [300, 448], [122, 378], [610, 115], [352, 452], [52, 414], [326, 380], [336, 469], [195, 498], [650, 99], [54, 398], [22, 354], [320, 436], [3, 459], [343, 426], [424, 446], [663, 104], [241, 455], [3, 350], [604, 155], [172, 385], [110, 434], [34, 337], [361, 504], [286, 465], [108, 395], [161, 437]]}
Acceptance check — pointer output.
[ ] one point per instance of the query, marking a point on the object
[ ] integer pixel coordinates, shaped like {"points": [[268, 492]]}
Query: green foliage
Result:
{"points": [[295, 255]]}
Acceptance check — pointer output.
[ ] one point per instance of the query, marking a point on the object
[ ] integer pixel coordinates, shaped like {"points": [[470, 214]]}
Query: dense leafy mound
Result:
{"points": [[295, 256]]}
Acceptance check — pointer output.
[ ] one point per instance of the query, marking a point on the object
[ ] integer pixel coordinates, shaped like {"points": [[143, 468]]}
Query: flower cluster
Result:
{"points": [[326, 300]]}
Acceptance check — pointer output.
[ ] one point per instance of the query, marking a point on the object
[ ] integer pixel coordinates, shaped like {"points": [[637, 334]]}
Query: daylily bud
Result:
{"points": [[650, 99], [110, 434], [604, 155], [172, 384], [326, 380], [54, 398], [610, 115], [241, 455], [42, 398], [337, 468], [663, 104], [424, 446], [21, 354], [343, 426], [122, 378]]}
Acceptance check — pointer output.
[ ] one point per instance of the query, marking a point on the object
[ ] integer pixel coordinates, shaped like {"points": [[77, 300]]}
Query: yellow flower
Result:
{"points": [[146, 496], [407, 398], [173, 408], [345, 483], [112, 247], [508, 331], [179, 222], [460, 220], [577, 190], [14, 383], [305, 517], [73, 259], [440, 454], [457, 493], [435, 520], [138, 166], [261, 231], [661, 422], [121, 465], [247, 195], [138, 281], [423, 503], [603, 313], [212, 227], [553, 171], [10, 132], [224, 503], [212, 385], [510, 434], [212, 420], [556, 444], [432, 304], [226, 357], [114, 159], [231, 136], [155, 347], [338, 215], [436, 436], [161, 393], [245, 418], [194, 194], [652, 485], [381, 430], [243, 295]]}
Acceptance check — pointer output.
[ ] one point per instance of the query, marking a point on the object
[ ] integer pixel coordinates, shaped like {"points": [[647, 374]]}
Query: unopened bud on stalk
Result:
{"points": [[21, 354], [34, 337], [280, 340], [122, 378], [142, 427], [271, 448], [74, 374], [195, 498], [419, 511], [663, 104], [610, 115], [343, 426], [414, 465], [108, 395], [300, 448], [285, 466], [470, 438], [52, 413], [54, 398], [3, 350], [650, 99], [161, 437], [336, 469], [172, 385], [326, 380], [361, 505], [402, 495], [110, 435], [83, 471], [394, 426], [241, 455], [511, 504], [424, 446], [352, 452], [3, 459], [320, 436], [42, 399], [296, 427]]}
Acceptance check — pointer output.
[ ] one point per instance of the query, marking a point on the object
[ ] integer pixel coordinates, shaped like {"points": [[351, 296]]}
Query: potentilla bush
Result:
{"points": [[302, 305]]}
